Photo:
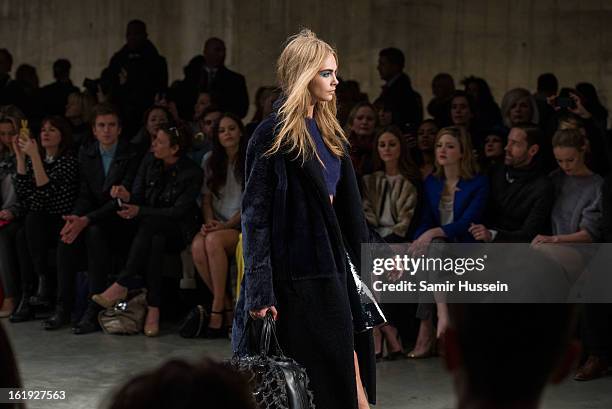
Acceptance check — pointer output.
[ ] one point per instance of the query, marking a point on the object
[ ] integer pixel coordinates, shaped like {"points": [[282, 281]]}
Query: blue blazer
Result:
{"points": [[468, 207]]}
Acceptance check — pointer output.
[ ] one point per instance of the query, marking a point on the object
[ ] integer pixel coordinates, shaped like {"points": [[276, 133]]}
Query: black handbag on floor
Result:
{"points": [[195, 323], [277, 381]]}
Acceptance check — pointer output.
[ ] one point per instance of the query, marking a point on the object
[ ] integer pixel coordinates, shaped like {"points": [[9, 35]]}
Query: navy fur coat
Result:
{"points": [[294, 243]]}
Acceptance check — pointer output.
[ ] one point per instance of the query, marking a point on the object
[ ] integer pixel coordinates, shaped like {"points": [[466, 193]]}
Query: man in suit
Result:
{"points": [[94, 229], [405, 104], [227, 88]]}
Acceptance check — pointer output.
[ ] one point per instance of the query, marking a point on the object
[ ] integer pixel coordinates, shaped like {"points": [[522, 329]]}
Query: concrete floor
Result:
{"points": [[88, 367]]}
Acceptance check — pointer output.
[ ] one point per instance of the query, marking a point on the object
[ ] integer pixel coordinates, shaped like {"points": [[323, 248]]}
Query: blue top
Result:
{"points": [[107, 157], [331, 164], [468, 207]]}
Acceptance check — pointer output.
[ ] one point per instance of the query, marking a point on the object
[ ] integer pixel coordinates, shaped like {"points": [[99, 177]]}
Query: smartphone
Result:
{"points": [[565, 102], [24, 131]]}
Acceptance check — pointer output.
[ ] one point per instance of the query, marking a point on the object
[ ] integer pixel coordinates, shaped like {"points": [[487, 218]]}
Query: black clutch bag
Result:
{"points": [[277, 381], [195, 323]]}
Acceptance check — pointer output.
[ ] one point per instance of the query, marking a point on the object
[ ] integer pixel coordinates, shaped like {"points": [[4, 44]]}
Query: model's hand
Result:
{"points": [[261, 313]]}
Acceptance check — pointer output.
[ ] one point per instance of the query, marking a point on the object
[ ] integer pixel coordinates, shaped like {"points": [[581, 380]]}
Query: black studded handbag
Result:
{"points": [[277, 381]]}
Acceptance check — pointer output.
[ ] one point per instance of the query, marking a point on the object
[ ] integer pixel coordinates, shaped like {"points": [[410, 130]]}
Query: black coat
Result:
{"points": [[405, 103], [228, 91], [94, 199], [519, 210], [170, 192], [606, 201], [294, 259]]}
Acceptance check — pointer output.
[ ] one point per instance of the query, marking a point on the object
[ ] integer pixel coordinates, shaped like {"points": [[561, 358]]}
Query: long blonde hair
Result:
{"points": [[468, 167], [297, 65]]}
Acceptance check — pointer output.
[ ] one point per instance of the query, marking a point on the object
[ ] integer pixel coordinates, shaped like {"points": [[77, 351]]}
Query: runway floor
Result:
{"points": [[88, 367]]}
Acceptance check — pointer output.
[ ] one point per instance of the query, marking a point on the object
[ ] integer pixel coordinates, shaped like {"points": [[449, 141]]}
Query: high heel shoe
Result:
{"points": [[106, 302], [151, 329], [430, 352], [213, 333]]}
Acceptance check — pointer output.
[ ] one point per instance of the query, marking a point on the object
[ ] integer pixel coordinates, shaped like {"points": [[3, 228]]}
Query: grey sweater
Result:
{"points": [[577, 204]]}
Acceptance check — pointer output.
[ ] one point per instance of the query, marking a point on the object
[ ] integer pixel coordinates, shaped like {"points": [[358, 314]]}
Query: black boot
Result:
{"points": [[24, 311], [60, 317], [89, 321], [42, 296]]}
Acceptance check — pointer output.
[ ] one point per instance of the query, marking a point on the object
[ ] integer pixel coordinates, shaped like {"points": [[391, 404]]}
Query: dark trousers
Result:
{"points": [[154, 237], [39, 234], [97, 249], [597, 330], [9, 270]]}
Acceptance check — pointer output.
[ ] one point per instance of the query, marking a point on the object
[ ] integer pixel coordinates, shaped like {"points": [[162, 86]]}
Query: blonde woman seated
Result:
{"points": [[577, 212], [389, 203], [218, 237]]}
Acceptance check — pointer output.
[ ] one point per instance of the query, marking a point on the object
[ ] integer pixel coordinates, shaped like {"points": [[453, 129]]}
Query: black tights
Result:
{"points": [[154, 237]]}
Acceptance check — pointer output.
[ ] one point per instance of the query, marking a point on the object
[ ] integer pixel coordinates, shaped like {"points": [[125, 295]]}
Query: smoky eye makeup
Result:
{"points": [[325, 73]]}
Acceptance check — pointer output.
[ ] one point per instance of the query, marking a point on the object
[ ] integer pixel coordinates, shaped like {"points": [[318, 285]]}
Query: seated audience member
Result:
{"points": [[9, 371], [78, 111], [442, 88], [47, 185], [27, 80], [592, 104], [10, 212], [264, 98], [390, 199], [454, 198], [486, 111], [203, 138], [493, 149], [153, 118], [93, 236], [597, 318], [519, 107], [360, 128], [598, 148], [203, 102], [181, 385], [426, 137], [397, 93], [163, 200], [390, 193], [218, 237], [576, 213], [547, 87], [55, 95], [384, 112], [521, 196], [348, 94], [462, 114], [496, 365], [227, 88], [186, 91]]}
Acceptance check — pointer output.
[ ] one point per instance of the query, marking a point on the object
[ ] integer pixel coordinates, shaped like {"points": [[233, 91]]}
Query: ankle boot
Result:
{"points": [[42, 296], [89, 321], [60, 317], [24, 311]]}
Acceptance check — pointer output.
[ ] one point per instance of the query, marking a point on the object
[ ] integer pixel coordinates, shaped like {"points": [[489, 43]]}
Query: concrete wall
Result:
{"points": [[508, 42]]}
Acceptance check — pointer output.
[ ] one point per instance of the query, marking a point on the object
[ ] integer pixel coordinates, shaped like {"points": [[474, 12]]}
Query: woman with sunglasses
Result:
{"points": [[163, 200]]}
